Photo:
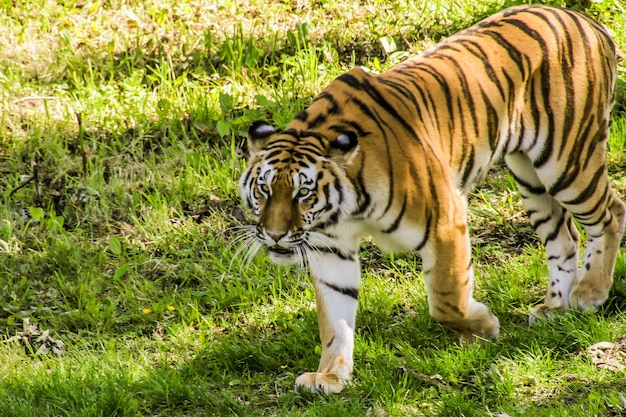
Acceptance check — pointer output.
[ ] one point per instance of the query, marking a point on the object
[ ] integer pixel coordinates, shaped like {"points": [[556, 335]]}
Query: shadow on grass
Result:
{"points": [[251, 370], [255, 370]]}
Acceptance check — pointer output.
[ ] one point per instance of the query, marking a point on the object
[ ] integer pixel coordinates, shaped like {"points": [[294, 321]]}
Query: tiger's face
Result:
{"points": [[294, 190]]}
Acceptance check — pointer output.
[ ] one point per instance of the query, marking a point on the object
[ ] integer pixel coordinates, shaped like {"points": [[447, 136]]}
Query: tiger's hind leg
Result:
{"points": [[554, 226], [449, 278], [585, 193], [604, 229]]}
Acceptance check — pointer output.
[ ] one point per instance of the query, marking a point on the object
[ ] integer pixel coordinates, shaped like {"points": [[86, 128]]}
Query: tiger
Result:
{"points": [[394, 156]]}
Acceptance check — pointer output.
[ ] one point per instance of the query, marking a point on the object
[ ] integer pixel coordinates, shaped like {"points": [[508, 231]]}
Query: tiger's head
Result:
{"points": [[296, 187]]}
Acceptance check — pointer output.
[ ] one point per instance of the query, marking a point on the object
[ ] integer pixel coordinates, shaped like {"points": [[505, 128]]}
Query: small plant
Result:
{"points": [[37, 342]]}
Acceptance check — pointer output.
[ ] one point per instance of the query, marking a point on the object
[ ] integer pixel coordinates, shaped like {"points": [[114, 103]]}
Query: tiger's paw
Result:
{"points": [[542, 312], [469, 338], [587, 296], [320, 382], [489, 329]]}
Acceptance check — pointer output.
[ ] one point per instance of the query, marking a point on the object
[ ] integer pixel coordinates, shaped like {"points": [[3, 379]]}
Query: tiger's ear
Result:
{"points": [[258, 132], [343, 147]]}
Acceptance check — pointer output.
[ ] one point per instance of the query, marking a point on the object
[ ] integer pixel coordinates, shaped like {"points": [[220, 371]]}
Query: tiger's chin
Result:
{"points": [[283, 256]]}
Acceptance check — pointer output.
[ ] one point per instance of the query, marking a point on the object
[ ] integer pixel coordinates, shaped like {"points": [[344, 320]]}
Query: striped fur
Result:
{"points": [[394, 156]]}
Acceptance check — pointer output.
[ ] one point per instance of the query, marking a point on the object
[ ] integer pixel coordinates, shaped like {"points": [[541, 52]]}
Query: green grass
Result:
{"points": [[119, 135]]}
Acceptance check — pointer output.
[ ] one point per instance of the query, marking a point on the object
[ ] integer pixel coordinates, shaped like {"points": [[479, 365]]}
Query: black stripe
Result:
{"points": [[308, 159], [367, 110], [349, 125], [601, 135], [533, 189], [590, 190], [383, 103], [570, 256], [396, 222], [594, 209], [249, 201], [246, 177], [426, 98], [350, 292], [302, 116], [465, 90], [443, 83], [568, 63], [565, 180], [311, 133], [400, 88], [351, 80], [273, 154], [363, 197], [332, 339], [469, 165], [344, 256], [420, 246], [334, 107], [357, 128], [513, 52], [318, 121], [548, 142], [554, 234], [514, 132], [338, 188], [492, 120], [537, 223], [452, 307], [383, 128], [478, 51]]}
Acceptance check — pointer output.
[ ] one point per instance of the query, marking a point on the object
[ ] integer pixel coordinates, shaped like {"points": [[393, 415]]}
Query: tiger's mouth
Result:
{"points": [[281, 250], [283, 255]]}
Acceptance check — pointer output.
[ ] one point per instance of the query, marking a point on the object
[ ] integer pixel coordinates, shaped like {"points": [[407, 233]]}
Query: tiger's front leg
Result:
{"points": [[336, 281]]}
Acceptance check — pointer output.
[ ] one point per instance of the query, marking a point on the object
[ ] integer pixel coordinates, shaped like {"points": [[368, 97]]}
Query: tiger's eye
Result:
{"points": [[265, 189], [303, 193]]}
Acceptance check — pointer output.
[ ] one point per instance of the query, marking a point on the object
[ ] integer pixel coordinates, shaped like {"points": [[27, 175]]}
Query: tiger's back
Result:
{"points": [[524, 80], [531, 79], [394, 155]]}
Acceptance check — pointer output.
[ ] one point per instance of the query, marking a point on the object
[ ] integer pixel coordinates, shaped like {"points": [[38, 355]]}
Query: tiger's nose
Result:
{"points": [[275, 236]]}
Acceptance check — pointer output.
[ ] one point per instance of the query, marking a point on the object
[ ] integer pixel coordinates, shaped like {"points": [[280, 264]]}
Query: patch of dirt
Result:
{"points": [[203, 208], [609, 355]]}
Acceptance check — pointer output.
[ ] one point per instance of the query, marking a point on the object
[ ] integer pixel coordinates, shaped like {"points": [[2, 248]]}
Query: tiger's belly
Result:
{"points": [[405, 239]]}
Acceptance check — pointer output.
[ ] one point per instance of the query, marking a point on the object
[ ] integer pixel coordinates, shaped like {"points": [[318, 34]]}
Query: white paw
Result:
{"points": [[542, 312], [320, 382]]}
